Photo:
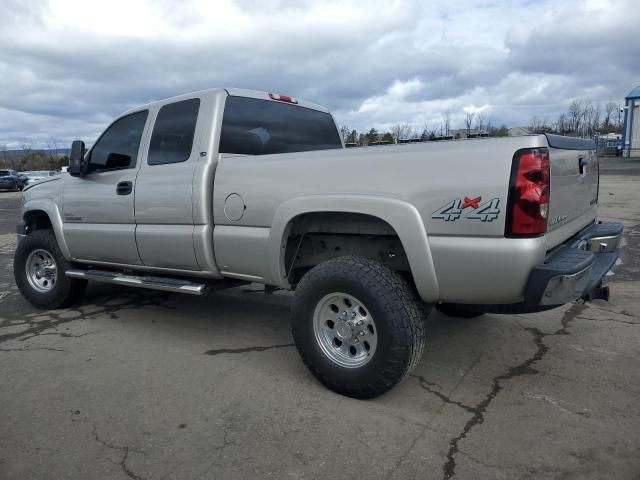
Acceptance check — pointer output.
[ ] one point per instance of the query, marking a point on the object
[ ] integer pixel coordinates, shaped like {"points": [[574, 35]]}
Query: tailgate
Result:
{"points": [[574, 187]]}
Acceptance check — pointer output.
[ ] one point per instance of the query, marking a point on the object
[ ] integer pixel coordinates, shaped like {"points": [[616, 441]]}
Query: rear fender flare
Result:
{"points": [[402, 216]]}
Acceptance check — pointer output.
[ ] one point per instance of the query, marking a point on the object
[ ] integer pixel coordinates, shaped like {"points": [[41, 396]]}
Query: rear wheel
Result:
{"points": [[358, 326], [457, 311], [39, 270]]}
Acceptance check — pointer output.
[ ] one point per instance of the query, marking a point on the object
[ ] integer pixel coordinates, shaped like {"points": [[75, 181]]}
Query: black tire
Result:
{"points": [[399, 317], [457, 311], [65, 291]]}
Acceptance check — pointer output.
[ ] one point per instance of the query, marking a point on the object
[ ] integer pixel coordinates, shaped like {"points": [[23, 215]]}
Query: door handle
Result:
{"points": [[124, 188], [581, 164]]}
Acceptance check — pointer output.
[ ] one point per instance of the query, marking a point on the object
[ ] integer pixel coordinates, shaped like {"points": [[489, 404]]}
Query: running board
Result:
{"points": [[165, 284]]}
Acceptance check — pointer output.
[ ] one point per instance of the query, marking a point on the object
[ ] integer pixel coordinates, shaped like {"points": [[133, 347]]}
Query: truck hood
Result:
{"points": [[47, 188], [40, 182]]}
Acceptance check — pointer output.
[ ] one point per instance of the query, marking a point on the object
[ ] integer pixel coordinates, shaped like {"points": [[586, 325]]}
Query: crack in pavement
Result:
{"points": [[426, 385], [125, 455], [524, 368], [38, 326], [27, 349], [57, 334], [222, 351], [225, 443], [427, 425], [624, 313], [623, 322]]}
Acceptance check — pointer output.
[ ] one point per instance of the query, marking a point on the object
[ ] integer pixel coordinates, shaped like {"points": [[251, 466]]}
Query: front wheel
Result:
{"points": [[39, 270], [358, 326]]}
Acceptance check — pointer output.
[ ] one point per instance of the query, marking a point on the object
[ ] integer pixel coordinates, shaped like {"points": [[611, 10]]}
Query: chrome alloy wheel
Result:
{"points": [[345, 330], [42, 271]]}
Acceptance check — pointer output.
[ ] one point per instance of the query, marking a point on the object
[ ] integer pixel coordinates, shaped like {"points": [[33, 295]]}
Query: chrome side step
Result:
{"points": [[165, 284]]}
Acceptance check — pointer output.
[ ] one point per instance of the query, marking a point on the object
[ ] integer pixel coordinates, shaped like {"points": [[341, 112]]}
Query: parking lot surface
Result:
{"points": [[144, 385]]}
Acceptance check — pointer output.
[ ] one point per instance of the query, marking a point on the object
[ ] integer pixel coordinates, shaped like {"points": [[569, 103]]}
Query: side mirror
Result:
{"points": [[77, 167]]}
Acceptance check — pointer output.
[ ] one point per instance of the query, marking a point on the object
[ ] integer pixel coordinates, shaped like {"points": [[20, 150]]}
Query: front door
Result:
{"points": [[98, 209]]}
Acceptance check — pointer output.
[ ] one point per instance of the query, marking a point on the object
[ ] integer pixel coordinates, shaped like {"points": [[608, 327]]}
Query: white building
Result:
{"points": [[631, 130]]}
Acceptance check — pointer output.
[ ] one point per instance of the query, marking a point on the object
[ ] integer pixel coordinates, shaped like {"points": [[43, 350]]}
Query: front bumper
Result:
{"points": [[575, 270], [21, 231]]}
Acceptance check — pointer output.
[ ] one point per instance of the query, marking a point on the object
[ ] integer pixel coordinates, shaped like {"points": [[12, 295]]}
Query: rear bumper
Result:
{"points": [[575, 270]]}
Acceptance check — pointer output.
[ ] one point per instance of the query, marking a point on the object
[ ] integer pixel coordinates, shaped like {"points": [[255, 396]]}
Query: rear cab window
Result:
{"points": [[252, 126], [173, 132]]}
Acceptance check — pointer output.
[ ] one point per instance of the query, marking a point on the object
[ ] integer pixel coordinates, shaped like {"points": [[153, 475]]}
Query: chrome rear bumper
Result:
{"points": [[575, 270]]}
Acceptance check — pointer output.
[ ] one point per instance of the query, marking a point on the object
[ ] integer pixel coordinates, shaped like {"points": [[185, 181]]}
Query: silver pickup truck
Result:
{"points": [[226, 186]]}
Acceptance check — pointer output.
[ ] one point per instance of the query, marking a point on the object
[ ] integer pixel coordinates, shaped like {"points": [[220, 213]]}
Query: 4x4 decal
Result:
{"points": [[485, 212]]}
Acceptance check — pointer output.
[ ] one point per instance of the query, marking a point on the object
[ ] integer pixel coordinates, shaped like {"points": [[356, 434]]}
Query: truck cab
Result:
{"points": [[146, 183]]}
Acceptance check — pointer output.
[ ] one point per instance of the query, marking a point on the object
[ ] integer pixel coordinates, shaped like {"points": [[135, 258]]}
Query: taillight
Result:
{"points": [[528, 205], [282, 98]]}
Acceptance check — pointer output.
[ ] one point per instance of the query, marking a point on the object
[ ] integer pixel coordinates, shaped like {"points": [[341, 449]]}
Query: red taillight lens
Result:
{"points": [[282, 98], [529, 194]]}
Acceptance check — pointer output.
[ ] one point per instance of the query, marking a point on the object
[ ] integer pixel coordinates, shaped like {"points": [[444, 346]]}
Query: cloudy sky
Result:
{"points": [[68, 67]]}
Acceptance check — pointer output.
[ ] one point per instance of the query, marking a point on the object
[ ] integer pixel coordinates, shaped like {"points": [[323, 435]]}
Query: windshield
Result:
{"points": [[4, 173], [261, 127]]}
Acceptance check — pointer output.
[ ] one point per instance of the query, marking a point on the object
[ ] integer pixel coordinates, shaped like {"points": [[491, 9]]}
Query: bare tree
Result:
{"points": [[595, 119], [488, 125], [468, 120], [609, 115], [5, 160], [26, 145], [344, 132], [428, 132], [447, 122], [540, 125], [401, 131], [480, 122], [575, 113], [620, 117], [562, 124]]}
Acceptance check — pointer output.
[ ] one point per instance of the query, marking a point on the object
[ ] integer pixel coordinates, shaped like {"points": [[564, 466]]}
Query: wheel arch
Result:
{"points": [[403, 219], [42, 214]]}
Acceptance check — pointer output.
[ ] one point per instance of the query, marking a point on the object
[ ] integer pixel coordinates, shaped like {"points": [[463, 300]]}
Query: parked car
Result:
{"points": [[262, 190], [11, 180], [36, 176]]}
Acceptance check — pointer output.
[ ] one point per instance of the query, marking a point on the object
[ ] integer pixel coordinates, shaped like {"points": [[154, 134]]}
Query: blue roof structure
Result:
{"points": [[635, 93]]}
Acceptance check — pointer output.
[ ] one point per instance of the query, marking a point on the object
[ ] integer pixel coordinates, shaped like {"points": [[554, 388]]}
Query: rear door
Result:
{"points": [[164, 188], [574, 186]]}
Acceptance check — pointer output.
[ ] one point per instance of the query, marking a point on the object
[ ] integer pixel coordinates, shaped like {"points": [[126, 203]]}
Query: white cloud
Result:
{"points": [[67, 67]]}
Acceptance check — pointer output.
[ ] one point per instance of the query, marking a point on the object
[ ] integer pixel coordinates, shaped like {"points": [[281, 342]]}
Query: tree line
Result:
{"points": [[405, 132], [476, 124], [582, 119], [26, 158]]}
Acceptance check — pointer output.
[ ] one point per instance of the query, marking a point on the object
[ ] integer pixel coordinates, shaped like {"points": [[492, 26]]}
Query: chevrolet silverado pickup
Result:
{"points": [[227, 186]]}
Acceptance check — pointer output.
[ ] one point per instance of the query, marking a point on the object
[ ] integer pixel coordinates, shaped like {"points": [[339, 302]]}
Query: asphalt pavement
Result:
{"points": [[144, 385]]}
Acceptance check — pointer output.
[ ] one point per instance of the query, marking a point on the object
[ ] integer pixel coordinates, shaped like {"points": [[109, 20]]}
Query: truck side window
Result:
{"points": [[119, 144], [172, 138]]}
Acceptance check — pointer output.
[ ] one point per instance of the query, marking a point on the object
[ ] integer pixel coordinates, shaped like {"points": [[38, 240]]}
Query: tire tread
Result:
{"points": [[404, 311]]}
